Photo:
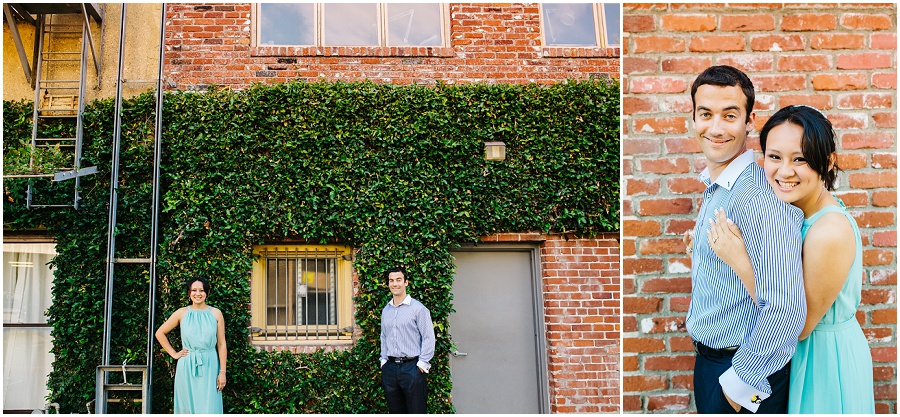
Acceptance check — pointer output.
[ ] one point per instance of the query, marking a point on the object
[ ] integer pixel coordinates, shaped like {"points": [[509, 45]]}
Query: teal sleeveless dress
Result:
{"points": [[831, 371], [196, 373]]}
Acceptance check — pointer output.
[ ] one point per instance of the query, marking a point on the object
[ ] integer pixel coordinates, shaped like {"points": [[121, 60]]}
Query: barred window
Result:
{"points": [[351, 24], [581, 24], [301, 293]]}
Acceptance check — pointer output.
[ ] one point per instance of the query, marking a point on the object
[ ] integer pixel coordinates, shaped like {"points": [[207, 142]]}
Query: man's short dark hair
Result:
{"points": [[202, 280], [724, 76], [402, 270], [817, 144]]}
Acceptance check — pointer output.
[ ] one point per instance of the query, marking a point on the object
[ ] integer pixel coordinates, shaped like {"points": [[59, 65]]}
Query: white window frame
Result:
{"points": [[319, 32], [599, 28], [38, 401], [341, 332]]}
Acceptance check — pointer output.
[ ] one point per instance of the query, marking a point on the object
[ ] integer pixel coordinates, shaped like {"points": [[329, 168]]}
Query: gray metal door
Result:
{"points": [[498, 365]]}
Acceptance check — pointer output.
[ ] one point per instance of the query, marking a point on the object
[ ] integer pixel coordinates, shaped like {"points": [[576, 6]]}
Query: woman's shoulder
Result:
{"points": [[831, 230], [180, 312], [215, 311]]}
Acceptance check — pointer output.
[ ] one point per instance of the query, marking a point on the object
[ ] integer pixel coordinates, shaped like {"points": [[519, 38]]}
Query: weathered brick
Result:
{"points": [[688, 22], [655, 85], [642, 305], [866, 21], [686, 65], [837, 41], [867, 140], [636, 186], [641, 227], [865, 101], [881, 198], [742, 23], [808, 22], [852, 161], [661, 125], [804, 63], [777, 43], [716, 43], [748, 63], [780, 82], [870, 60], [644, 383], [650, 207], [884, 160], [819, 101], [668, 403], [638, 23], [640, 146], [844, 81], [644, 44], [666, 285], [685, 185], [665, 165]]}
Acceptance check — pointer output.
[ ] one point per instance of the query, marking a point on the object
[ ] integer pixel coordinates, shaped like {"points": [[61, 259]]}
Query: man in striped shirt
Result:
{"points": [[407, 346], [743, 347]]}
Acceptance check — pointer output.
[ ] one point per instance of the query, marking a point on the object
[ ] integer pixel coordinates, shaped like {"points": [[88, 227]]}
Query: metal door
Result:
{"points": [[499, 365]]}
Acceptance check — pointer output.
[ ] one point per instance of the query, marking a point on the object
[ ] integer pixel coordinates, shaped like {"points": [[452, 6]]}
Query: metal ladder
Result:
{"points": [[104, 387], [58, 96]]}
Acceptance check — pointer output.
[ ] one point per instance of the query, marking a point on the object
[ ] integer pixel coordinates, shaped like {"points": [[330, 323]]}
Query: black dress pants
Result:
{"points": [[710, 399], [405, 387]]}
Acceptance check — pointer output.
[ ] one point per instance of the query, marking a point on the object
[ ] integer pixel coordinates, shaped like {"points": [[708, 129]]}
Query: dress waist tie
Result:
{"points": [[195, 360], [823, 327]]}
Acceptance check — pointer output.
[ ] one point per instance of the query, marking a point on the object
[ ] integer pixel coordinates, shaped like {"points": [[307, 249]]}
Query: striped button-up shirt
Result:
{"points": [[407, 331], [721, 313]]}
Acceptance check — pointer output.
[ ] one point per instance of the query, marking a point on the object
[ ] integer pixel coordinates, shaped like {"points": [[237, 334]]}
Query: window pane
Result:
{"points": [[351, 24], [287, 24], [612, 12], [414, 24], [569, 24], [27, 282]]}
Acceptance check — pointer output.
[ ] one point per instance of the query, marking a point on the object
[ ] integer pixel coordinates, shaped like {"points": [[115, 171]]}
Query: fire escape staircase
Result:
{"points": [[63, 43]]}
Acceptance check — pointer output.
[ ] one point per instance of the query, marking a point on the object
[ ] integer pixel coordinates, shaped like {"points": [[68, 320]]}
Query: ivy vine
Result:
{"points": [[394, 171]]}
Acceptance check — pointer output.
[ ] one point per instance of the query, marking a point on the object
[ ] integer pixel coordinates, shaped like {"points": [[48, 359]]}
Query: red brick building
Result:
{"points": [[842, 61], [215, 44]]}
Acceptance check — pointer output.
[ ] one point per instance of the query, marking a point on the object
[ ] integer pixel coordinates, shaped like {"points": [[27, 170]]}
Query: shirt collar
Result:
{"points": [[734, 169], [407, 301]]}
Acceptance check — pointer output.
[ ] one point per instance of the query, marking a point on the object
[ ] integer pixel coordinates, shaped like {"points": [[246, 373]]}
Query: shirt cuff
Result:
{"points": [[746, 395], [383, 361], [424, 365]]}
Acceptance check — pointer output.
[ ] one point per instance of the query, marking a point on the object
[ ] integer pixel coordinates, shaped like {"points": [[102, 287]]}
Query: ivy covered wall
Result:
{"points": [[395, 171]]}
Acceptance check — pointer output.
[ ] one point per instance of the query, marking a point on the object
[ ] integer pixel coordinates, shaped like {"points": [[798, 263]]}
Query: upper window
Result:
{"points": [[581, 24], [301, 293], [351, 24], [27, 280]]}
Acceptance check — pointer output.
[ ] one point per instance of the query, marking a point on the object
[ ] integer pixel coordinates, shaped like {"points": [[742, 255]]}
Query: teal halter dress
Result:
{"points": [[831, 371], [196, 373]]}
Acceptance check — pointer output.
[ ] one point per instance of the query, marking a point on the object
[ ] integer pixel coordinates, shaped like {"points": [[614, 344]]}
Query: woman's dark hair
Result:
{"points": [[387, 274], [817, 144], [202, 280]]}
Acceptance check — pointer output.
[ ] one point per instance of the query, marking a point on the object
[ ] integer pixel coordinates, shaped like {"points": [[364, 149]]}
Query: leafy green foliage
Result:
{"points": [[397, 172]]}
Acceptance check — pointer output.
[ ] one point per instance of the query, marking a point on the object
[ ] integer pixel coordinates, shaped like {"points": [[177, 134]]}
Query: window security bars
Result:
{"points": [[301, 295]]}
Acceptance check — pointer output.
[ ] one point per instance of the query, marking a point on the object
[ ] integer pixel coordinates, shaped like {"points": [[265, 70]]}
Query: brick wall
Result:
{"points": [[494, 43], [841, 60], [581, 312]]}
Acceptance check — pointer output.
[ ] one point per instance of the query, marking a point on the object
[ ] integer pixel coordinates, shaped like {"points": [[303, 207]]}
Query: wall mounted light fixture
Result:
{"points": [[494, 151]]}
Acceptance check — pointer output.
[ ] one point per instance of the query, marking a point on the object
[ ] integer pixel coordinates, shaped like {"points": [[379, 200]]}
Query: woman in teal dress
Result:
{"points": [[200, 373], [831, 370]]}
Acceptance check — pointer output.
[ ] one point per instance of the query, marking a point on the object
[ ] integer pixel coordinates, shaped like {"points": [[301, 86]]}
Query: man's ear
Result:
{"points": [[751, 122]]}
